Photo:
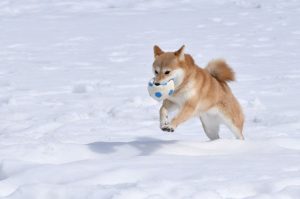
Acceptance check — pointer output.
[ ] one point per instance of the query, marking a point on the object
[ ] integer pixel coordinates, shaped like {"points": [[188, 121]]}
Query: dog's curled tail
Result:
{"points": [[220, 70]]}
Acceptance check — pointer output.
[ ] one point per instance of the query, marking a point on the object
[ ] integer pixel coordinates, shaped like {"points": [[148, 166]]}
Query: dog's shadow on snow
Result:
{"points": [[145, 145]]}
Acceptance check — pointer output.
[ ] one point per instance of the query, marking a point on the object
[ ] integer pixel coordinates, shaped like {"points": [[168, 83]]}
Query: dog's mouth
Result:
{"points": [[164, 83]]}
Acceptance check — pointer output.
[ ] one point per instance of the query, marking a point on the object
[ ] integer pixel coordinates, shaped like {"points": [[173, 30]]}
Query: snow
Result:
{"points": [[76, 120]]}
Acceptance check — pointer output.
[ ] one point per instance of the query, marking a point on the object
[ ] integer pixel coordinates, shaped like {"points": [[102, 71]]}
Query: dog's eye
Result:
{"points": [[167, 72], [156, 72]]}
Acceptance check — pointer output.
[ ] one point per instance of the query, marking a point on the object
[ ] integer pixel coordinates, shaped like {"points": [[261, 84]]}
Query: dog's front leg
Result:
{"points": [[163, 113], [186, 112]]}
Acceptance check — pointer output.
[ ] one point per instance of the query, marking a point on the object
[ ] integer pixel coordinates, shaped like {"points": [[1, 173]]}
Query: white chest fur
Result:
{"points": [[187, 92]]}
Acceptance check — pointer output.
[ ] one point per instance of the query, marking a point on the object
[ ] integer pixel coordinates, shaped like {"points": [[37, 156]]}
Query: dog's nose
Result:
{"points": [[156, 84]]}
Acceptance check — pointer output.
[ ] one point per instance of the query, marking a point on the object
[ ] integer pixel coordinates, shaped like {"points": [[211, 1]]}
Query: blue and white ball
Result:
{"points": [[162, 91]]}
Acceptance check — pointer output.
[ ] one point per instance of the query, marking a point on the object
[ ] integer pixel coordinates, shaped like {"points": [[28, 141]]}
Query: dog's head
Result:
{"points": [[168, 65]]}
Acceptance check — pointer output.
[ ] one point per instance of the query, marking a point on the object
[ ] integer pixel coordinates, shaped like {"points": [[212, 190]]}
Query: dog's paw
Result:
{"points": [[167, 128]]}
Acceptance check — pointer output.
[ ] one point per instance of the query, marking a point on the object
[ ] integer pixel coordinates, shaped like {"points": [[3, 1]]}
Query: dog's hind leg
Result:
{"points": [[211, 126], [235, 127], [233, 117]]}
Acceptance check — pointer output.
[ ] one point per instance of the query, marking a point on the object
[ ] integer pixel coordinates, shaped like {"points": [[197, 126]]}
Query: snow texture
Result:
{"points": [[76, 120]]}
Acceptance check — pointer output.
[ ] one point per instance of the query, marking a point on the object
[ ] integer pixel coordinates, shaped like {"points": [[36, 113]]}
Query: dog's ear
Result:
{"points": [[157, 51], [180, 53]]}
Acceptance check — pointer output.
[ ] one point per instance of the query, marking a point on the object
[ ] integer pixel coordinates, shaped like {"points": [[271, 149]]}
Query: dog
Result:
{"points": [[199, 92]]}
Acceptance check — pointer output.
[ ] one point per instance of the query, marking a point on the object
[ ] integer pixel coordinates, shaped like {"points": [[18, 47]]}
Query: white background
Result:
{"points": [[76, 120]]}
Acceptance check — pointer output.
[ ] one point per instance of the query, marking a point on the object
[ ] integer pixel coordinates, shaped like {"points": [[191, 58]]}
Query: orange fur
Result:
{"points": [[220, 70], [198, 92]]}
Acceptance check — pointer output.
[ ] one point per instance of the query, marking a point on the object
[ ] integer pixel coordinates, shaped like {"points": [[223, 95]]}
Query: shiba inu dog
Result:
{"points": [[200, 92]]}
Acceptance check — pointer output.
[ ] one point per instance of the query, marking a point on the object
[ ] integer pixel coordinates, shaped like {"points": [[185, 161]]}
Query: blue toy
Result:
{"points": [[161, 91]]}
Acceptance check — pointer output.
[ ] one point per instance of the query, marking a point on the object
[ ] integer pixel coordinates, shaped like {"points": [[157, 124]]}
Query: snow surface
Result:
{"points": [[76, 120]]}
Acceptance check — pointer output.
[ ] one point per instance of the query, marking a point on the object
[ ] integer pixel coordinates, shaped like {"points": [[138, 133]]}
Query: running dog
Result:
{"points": [[200, 92]]}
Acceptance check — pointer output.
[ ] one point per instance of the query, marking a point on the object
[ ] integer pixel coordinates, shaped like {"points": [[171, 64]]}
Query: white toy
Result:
{"points": [[161, 91]]}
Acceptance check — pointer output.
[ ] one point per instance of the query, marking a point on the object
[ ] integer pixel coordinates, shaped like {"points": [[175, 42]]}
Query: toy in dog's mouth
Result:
{"points": [[161, 91]]}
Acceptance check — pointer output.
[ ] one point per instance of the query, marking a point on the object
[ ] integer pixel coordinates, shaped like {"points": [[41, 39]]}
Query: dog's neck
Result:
{"points": [[189, 71]]}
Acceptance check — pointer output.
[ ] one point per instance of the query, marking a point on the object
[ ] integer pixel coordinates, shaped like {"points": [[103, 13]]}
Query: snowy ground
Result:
{"points": [[76, 120]]}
